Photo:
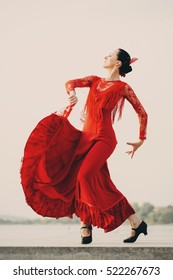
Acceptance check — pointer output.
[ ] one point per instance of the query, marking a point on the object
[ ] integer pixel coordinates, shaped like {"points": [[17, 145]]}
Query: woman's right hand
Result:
{"points": [[135, 146], [73, 98]]}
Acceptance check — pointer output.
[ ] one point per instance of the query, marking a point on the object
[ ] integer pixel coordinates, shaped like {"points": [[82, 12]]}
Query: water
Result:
{"points": [[68, 235]]}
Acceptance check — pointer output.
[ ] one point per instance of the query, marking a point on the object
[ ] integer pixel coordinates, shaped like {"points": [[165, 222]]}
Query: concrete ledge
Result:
{"points": [[86, 253]]}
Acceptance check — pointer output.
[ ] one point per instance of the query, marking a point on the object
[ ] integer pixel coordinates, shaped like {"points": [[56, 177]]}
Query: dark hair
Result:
{"points": [[124, 57]]}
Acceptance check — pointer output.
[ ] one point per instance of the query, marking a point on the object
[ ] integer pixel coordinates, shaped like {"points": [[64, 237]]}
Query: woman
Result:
{"points": [[64, 170]]}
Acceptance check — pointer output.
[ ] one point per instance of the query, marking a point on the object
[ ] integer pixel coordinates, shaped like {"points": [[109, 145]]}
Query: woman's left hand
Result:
{"points": [[72, 98], [135, 146]]}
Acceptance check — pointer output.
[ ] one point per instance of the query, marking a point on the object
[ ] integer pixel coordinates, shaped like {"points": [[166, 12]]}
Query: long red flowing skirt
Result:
{"points": [[62, 173]]}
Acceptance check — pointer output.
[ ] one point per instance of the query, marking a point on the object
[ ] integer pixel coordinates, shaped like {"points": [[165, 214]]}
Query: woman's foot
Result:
{"points": [[142, 228], [86, 234]]}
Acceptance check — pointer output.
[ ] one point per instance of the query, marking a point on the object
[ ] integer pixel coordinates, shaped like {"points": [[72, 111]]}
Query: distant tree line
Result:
{"points": [[154, 215]]}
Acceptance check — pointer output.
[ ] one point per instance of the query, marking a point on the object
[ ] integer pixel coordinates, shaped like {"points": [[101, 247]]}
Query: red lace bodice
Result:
{"points": [[109, 94]]}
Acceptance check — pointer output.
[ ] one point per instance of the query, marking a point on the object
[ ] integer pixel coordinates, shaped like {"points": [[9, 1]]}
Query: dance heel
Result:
{"points": [[87, 239], [142, 228]]}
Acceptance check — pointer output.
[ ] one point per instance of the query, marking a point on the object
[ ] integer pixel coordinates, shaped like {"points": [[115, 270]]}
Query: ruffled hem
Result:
{"points": [[53, 208], [108, 219]]}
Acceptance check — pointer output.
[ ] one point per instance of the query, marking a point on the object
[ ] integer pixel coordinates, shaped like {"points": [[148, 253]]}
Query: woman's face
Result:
{"points": [[111, 59]]}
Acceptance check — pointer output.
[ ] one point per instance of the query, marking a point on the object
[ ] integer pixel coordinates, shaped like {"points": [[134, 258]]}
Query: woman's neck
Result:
{"points": [[113, 75]]}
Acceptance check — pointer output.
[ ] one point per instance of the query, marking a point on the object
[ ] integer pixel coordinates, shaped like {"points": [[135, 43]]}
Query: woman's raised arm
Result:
{"points": [[81, 82]]}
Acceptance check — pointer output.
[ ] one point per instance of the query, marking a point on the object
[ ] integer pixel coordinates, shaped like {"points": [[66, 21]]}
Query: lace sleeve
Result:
{"points": [[142, 115], [82, 82]]}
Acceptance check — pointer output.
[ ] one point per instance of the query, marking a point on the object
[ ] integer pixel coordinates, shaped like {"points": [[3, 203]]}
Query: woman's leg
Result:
{"points": [[85, 231], [135, 221], [92, 163]]}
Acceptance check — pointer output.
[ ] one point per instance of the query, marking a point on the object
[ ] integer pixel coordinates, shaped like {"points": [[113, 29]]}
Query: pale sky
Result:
{"points": [[45, 43]]}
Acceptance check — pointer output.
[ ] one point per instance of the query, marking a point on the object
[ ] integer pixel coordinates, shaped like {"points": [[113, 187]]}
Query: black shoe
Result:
{"points": [[87, 239], [142, 228]]}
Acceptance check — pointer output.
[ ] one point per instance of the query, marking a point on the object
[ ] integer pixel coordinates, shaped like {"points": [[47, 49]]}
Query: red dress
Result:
{"points": [[64, 170]]}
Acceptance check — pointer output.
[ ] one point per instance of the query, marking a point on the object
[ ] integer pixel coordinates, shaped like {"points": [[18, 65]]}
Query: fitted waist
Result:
{"points": [[100, 131]]}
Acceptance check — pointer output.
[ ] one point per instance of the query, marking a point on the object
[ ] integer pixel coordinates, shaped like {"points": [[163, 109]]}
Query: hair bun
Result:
{"points": [[128, 69], [125, 68], [124, 57]]}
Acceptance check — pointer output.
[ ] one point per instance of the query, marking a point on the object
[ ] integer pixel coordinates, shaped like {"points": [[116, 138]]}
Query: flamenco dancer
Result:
{"points": [[64, 170]]}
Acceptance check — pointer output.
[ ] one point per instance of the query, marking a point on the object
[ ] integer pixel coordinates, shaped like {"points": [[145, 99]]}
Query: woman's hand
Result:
{"points": [[135, 146], [73, 98]]}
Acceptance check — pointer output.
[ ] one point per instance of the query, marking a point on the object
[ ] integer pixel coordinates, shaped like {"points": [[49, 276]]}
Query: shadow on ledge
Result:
{"points": [[86, 253]]}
